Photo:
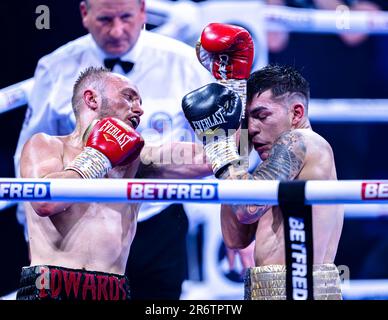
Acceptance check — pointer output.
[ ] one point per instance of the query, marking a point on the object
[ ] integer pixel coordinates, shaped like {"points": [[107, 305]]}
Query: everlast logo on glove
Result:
{"points": [[214, 120], [214, 112], [121, 137], [212, 107]]}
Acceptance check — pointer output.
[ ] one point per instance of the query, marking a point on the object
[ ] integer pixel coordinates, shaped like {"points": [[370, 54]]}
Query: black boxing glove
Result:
{"points": [[214, 112]]}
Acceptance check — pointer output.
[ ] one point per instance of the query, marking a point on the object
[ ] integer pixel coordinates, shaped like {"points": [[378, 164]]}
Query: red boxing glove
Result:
{"points": [[226, 51], [115, 139], [109, 142]]}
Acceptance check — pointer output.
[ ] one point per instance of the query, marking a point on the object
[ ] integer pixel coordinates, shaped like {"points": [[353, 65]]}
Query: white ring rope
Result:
{"points": [[16, 95], [326, 21], [352, 211], [348, 110], [276, 17], [366, 289], [363, 211], [320, 110], [202, 191]]}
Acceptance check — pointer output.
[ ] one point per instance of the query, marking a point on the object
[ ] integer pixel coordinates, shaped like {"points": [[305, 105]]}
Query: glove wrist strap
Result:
{"points": [[90, 164], [222, 153]]}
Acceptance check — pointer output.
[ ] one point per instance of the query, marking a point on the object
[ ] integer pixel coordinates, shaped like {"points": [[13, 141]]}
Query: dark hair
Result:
{"points": [[91, 76], [280, 79]]}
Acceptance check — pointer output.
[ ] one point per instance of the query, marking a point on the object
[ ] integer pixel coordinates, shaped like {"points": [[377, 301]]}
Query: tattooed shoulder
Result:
{"points": [[285, 160]]}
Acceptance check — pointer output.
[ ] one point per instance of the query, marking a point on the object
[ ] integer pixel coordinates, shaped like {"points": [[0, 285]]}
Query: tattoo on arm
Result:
{"points": [[286, 158], [285, 161]]}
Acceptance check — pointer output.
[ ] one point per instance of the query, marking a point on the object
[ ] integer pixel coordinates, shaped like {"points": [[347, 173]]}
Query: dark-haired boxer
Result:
{"points": [[280, 132]]}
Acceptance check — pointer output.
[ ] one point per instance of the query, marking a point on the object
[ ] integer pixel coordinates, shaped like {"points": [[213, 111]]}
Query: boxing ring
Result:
{"points": [[294, 198], [362, 199]]}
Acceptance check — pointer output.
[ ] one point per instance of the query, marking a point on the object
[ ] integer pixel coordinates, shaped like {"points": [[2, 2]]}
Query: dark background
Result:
{"points": [[333, 69]]}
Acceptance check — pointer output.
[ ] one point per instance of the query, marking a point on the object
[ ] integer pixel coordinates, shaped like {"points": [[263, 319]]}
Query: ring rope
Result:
{"points": [[341, 20], [202, 191], [324, 21]]}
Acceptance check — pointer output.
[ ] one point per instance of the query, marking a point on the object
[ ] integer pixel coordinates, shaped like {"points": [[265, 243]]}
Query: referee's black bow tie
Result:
{"points": [[126, 65]]}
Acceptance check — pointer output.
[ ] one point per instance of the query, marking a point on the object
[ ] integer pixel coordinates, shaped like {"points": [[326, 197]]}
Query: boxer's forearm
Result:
{"points": [[173, 171], [285, 160], [174, 161], [245, 214], [46, 209], [236, 235]]}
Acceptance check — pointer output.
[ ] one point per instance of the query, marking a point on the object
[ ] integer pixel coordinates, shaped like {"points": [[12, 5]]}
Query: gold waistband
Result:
{"points": [[269, 282]]}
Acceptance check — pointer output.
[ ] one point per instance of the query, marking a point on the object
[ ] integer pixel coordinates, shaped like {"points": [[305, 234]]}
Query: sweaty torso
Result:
{"points": [[327, 219], [91, 236]]}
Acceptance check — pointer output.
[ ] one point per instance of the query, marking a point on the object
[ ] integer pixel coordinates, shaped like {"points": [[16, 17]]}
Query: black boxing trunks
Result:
{"points": [[58, 283]]}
